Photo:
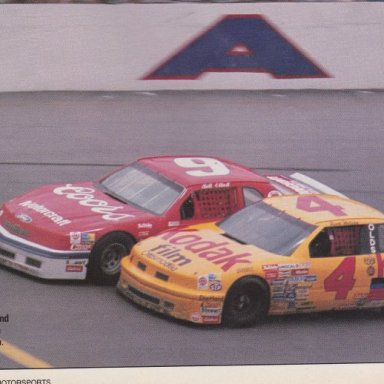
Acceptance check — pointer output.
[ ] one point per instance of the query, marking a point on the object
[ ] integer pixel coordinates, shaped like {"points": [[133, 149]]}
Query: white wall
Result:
{"points": [[111, 47]]}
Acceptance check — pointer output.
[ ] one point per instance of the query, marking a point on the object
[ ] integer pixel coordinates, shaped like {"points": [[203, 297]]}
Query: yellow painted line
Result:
{"points": [[19, 356]]}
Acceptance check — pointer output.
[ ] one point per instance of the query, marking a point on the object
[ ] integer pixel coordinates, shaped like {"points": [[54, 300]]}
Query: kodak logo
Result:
{"points": [[215, 252]]}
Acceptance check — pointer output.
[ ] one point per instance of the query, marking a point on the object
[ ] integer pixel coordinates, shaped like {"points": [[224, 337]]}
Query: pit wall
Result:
{"points": [[189, 46]]}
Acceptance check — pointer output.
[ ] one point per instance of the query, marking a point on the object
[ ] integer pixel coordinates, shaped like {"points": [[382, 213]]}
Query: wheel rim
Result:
{"points": [[111, 257], [245, 304], [242, 303]]}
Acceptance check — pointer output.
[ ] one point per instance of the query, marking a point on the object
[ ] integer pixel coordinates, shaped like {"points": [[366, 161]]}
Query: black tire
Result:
{"points": [[246, 303], [104, 261]]}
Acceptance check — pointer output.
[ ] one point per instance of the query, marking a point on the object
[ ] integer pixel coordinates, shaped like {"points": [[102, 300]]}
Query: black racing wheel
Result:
{"points": [[104, 261], [246, 303]]}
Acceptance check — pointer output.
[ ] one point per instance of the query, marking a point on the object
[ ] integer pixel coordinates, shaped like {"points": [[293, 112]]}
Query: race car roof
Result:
{"points": [[319, 208], [192, 170]]}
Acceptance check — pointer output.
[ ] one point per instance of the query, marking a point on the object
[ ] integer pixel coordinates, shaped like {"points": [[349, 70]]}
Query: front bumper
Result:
{"points": [[39, 261], [202, 307]]}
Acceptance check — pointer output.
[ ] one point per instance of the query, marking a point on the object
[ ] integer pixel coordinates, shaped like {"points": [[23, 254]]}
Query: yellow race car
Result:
{"points": [[282, 255]]}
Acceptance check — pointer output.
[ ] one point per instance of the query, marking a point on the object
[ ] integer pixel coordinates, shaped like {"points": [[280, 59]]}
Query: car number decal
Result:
{"points": [[202, 166], [342, 280], [317, 204]]}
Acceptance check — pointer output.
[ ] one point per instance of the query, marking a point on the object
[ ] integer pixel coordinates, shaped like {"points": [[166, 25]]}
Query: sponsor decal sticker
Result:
{"points": [[278, 288], [245, 270], [215, 285], [284, 274], [74, 268], [24, 218], [285, 271], [291, 296], [369, 260], [278, 296], [202, 282], [215, 299], [210, 311], [87, 237], [302, 293], [269, 267], [85, 197], [75, 237], [211, 281], [279, 305], [81, 240], [196, 317], [300, 272], [271, 275], [217, 253], [144, 225], [291, 184], [299, 279], [294, 265], [371, 270], [211, 319], [168, 256], [372, 238], [39, 208]]}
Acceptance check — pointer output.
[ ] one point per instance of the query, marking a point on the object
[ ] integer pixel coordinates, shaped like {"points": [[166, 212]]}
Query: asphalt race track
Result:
{"points": [[63, 137]]}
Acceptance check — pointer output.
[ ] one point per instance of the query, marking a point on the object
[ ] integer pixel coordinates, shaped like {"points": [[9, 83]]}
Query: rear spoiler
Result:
{"points": [[297, 183]]}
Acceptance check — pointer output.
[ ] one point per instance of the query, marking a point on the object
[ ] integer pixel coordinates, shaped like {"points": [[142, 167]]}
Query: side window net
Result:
{"points": [[340, 241], [345, 241], [216, 203]]}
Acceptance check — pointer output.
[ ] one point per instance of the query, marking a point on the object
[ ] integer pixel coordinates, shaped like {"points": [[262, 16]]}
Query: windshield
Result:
{"points": [[267, 228], [137, 185]]}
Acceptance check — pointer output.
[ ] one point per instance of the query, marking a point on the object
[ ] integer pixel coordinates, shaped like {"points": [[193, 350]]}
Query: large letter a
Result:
{"points": [[239, 43]]}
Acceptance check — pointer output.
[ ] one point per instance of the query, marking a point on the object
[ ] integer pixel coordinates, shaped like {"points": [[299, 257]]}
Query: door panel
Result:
{"points": [[343, 282]]}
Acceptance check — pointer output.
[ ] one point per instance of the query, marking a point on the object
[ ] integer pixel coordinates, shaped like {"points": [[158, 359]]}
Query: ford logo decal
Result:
{"points": [[24, 218]]}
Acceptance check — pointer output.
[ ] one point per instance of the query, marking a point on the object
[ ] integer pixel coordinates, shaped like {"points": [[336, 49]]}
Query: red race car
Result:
{"points": [[80, 230]]}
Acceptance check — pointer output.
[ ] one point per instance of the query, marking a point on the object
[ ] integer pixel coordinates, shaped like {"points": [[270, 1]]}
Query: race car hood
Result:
{"points": [[59, 209], [185, 255]]}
